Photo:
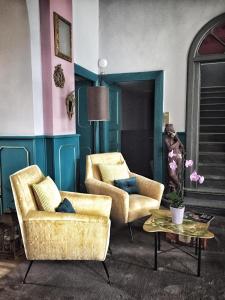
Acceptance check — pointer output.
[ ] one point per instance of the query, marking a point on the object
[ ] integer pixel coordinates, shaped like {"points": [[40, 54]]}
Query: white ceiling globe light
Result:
{"points": [[102, 64]]}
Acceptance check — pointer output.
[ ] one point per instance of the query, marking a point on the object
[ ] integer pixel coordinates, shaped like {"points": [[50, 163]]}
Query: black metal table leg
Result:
{"points": [[199, 256], [159, 244], [156, 249]]}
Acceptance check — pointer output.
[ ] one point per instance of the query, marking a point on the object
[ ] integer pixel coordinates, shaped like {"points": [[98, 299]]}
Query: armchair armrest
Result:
{"points": [[149, 187], [120, 198], [99, 205], [38, 215], [56, 235]]}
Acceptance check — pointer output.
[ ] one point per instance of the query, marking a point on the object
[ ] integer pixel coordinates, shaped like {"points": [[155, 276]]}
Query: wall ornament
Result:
{"points": [[70, 104], [58, 76]]}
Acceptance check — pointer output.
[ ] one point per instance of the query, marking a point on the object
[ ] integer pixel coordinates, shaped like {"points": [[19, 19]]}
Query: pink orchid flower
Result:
{"points": [[201, 179], [171, 154], [194, 176], [188, 163], [173, 165]]}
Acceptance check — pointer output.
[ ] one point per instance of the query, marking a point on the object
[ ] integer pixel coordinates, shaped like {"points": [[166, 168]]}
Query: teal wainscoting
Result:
{"points": [[63, 154], [57, 156], [182, 137]]}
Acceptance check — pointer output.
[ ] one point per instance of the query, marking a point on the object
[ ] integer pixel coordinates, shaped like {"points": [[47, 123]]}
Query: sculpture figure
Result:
{"points": [[175, 159]]}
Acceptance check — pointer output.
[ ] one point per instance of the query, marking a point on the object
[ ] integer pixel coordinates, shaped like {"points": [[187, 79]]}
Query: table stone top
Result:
{"points": [[160, 221]]}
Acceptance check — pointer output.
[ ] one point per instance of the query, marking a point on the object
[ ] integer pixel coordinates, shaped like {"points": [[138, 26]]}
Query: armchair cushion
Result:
{"points": [[65, 206], [47, 194], [111, 172], [129, 185]]}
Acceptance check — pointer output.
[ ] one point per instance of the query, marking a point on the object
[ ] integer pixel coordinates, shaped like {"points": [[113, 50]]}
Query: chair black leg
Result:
{"points": [[28, 269], [109, 251], [131, 232], [106, 271]]}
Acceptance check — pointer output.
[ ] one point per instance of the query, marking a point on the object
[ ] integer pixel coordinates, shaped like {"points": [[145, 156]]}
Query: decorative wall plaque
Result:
{"points": [[58, 76], [70, 103]]}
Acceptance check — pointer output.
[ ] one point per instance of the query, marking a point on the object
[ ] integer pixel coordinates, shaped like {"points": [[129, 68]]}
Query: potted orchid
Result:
{"points": [[176, 197]]}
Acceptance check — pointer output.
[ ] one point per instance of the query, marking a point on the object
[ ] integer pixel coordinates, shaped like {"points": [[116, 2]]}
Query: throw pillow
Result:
{"points": [[128, 185], [112, 172], [47, 194], [65, 206]]}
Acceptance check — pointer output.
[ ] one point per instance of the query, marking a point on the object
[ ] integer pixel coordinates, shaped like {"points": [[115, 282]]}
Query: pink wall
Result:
{"points": [[56, 120]]}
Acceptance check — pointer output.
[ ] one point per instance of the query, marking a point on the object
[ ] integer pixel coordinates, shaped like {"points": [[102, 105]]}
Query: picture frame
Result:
{"points": [[62, 37]]}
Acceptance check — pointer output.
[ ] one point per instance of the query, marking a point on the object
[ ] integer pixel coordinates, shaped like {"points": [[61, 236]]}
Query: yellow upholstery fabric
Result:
{"points": [[140, 205], [54, 235], [94, 160], [111, 172], [125, 207], [47, 194]]}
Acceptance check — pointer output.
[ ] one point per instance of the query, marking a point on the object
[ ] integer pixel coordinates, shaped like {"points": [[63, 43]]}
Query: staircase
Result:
{"points": [[211, 194]]}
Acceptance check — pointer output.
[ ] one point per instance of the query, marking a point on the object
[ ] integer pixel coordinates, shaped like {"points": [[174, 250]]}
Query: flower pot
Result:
{"points": [[177, 214]]}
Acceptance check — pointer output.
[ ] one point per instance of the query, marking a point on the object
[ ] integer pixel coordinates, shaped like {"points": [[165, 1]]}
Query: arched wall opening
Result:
{"points": [[206, 50]]}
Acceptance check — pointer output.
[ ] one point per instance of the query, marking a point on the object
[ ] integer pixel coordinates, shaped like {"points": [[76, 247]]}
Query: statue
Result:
{"points": [[175, 159]]}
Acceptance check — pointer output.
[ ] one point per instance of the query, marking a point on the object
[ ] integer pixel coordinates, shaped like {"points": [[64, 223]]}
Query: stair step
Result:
{"points": [[206, 193], [212, 128], [212, 106], [212, 169], [212, 121], [212, 146], [212, 137], [213, 87], [209, 100], [211, 157], [208, 206], [212, 94], [212, 113], [210, 201], [215, 182]]}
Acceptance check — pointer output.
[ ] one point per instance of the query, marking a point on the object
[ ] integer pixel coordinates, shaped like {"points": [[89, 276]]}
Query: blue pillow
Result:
{"points": [[65, 206], [129, 185]]}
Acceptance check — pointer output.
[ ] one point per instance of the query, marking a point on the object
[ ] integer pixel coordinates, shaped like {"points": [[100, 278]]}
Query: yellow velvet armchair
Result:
{"points": [[125, 208], [83, 235]]}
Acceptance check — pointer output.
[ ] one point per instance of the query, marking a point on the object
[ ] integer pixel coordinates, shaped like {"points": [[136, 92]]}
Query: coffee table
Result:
{"points": [[160, 221]]}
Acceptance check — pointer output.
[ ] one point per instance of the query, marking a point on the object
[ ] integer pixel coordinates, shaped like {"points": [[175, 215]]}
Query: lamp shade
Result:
{"points": [[98, 103]]}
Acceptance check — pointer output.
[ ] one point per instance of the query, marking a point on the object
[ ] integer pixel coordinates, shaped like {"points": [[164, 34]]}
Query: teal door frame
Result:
{"points": [[158, 111]]}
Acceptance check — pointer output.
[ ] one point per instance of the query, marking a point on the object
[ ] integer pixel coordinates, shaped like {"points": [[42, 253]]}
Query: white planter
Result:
{"points": [[177, 214]]}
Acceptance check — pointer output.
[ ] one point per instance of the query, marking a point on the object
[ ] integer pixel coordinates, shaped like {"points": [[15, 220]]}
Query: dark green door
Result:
{"points": [[83, 127], [114, 130]]}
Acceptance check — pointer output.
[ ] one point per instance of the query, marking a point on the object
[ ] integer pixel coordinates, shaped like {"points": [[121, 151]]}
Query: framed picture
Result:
{"points": [[63, 39]]}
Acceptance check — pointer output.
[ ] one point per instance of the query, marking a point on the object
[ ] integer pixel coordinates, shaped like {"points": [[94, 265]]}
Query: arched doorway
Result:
{"points": [[205, 113]]}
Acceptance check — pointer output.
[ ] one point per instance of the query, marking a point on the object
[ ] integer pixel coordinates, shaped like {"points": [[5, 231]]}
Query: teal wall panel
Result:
{"points": [[56, 156], [65, 157], [15, 154]]}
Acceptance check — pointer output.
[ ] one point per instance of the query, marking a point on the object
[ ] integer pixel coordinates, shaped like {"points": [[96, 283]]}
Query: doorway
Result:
{"points": [[137, 125], [205, 127], [110, 132], [117, 83], [212, 126]]}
